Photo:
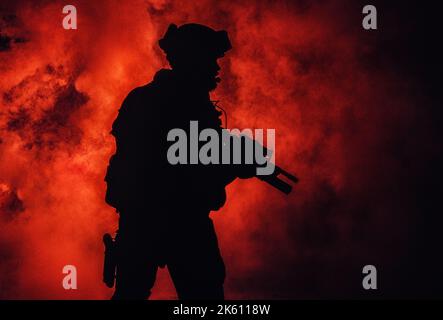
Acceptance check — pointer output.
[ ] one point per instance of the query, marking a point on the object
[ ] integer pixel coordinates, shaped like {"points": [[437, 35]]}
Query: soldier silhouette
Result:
{"points": [[163, 208]]}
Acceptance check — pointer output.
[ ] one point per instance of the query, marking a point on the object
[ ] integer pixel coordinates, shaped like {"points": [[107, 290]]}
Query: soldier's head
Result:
{"points": [[192, 51]]}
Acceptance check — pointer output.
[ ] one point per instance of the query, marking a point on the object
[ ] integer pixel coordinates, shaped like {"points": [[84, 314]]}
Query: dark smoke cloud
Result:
{"points": [[9, 31], [41, 114], [10, 203]]}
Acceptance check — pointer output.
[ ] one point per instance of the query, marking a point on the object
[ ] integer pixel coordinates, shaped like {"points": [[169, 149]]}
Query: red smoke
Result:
{"points": [[299, 67]]}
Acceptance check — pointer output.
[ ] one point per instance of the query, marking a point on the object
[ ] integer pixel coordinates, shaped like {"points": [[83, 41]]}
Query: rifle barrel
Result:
{"points": [[278, 183]]}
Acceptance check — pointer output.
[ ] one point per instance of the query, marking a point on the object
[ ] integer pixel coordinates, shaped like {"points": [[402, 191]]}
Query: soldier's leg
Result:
{"points": [[136, 267], [196, 265], [135, 278]]}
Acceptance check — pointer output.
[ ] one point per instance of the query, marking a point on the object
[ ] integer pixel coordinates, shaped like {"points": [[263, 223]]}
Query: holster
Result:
{"points": [[110, 260]]}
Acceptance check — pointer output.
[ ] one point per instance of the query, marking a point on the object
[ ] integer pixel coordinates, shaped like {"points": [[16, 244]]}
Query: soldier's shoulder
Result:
{"points": [[133, 102], [150, 97], [141, 93]]}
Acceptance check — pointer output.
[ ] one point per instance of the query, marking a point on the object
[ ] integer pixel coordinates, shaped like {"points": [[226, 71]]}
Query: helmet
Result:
{"points": [[193, 37]]}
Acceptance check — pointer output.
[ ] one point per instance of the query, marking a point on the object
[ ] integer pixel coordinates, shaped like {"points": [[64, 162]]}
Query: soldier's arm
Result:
{"points": [[123, 123]]}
